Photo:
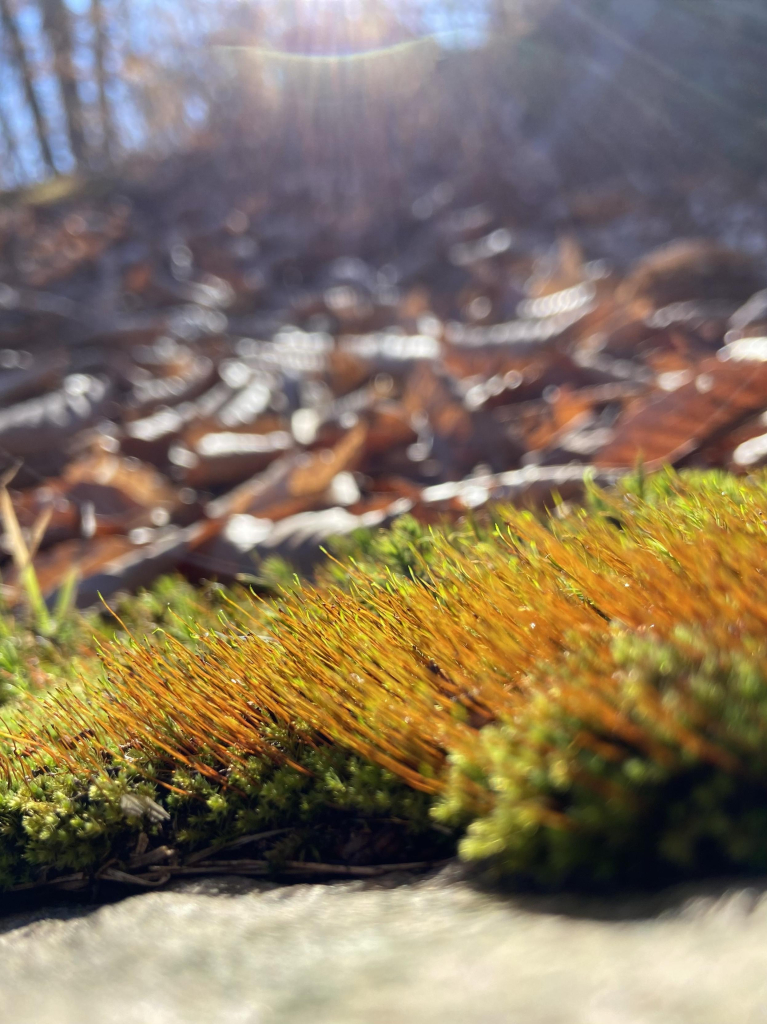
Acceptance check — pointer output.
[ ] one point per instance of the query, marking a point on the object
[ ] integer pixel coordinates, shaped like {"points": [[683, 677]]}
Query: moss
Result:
{"points": [[582, 699], [331, 804], [676, 788], [408, 549], [31, 664]]}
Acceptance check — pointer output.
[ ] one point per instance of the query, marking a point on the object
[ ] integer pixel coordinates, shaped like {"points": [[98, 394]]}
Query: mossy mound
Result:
{"points": [[576, 700]]}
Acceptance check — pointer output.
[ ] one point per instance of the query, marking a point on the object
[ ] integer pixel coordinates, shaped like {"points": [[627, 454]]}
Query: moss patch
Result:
{"points": [[581, 699]]}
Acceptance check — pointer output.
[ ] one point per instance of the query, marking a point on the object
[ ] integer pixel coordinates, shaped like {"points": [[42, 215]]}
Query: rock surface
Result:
{"points": [[234, 952]]}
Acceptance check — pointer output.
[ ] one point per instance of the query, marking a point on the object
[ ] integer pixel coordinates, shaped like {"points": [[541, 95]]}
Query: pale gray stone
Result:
{"points": [[434, 951]]}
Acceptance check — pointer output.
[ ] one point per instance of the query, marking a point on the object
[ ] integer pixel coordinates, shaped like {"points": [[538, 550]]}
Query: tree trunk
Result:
{"points": [[58, 27], [11, 30], [109, 139], [11, 149]]}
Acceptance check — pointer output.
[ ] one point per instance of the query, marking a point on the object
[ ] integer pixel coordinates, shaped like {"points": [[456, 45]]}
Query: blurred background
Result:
{"points": [[403, 243], [539, 94]]}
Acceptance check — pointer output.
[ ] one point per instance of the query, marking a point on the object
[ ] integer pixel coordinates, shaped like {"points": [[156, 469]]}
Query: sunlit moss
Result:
{"points": [[585, 696]]}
